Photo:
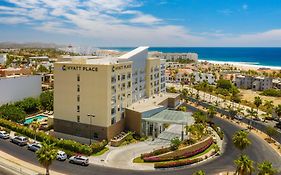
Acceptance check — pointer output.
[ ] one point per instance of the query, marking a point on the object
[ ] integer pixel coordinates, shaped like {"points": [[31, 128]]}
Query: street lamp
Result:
{"points": [[90, 130]]}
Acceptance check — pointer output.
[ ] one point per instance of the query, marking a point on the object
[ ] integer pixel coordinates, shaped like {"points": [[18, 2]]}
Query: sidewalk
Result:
{"points": [[20, 167]]}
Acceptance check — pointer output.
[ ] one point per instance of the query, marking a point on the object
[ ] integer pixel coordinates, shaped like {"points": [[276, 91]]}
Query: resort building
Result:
{"points": [[175, 56], [14, 71], [3, 58], [254, 83], [276, 83], [91, 96], [17, 87], [201, 77]]}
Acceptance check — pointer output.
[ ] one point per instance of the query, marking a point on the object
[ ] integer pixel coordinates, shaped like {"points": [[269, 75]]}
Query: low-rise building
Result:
{"points": [[3, 58], [276, 83], [201, 77], [14, 71], [17, 87], [254, 83], [175, 56]]}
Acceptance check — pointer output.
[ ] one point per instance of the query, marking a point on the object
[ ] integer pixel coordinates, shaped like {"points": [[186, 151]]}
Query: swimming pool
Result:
{"points": [[30, 120]]}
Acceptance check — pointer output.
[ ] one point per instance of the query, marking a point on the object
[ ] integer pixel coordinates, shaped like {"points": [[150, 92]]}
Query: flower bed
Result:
{"points": [[177, 163], [156, 152], [183, 156]]}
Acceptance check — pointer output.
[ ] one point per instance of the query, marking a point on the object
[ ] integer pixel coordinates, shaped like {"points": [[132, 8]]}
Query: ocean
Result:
{"points": [[255, 56]]}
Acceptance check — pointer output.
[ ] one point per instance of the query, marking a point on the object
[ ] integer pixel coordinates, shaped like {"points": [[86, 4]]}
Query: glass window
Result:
{"points": [[78, 88], [78, 108], [78, 77], [78, 118], [113, 120], [78, 98]]}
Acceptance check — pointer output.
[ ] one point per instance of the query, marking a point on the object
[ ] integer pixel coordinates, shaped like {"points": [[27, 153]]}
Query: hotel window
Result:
{"points": [[129, 84], [113, 110], [123, 77], [113, 120], [113, 79], [78, 88], [118, 77], [78, 98], [78, 118], [129, 76], [78, 108], [78, 77]]}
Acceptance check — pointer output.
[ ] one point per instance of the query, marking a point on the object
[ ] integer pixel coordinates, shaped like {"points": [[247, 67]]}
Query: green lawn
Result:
{"points": [[101, 152]]}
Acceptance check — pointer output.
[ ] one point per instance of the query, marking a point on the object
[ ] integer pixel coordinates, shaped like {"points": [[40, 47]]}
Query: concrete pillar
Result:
{"points": [[146, 128], [153, 130]]}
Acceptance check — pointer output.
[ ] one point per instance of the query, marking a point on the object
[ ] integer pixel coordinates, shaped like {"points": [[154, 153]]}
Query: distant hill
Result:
{"points": [[12, 45]]}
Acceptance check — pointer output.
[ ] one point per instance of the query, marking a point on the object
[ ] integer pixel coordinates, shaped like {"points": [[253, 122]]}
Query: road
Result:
{"points": [[258, 151]]}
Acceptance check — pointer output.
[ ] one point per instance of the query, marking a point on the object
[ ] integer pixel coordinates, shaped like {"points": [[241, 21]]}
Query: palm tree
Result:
{"points": [[200, 172], [45, 155], [211, 112], [240, 140], [266, 168], [258, 102], [244, 166], [35, 125], [268, 104], [278, 110]]}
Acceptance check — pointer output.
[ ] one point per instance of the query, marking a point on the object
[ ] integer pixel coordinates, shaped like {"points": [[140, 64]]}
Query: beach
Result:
{"points": [[242, 65]]}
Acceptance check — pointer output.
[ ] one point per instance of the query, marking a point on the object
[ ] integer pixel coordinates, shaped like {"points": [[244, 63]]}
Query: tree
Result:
{"points": [[258, 102], [47, 100], [278, 110], [29, 105], [266, 168], [42, 68], [35, 125], [200, 172], [200, 117], [182, 108], [45, 155], [251, 112], [240, 140], [197, 130], [268, 104], [175, 143], [244, 166], [271, 131], [224, 84], [211, 112], [12, 112]]}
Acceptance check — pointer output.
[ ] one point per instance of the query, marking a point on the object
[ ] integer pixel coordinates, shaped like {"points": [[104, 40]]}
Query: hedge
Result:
{"points": [[69, 145], [186, 155], [156, 152]]}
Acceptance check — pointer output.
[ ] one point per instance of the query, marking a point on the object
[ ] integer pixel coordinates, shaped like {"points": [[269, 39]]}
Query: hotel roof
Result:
{"points": [[152, 102], [133, 52]]}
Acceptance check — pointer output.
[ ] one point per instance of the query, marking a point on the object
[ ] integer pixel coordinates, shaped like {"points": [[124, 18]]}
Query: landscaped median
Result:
{"points": [[166, 157], [69, 146]]}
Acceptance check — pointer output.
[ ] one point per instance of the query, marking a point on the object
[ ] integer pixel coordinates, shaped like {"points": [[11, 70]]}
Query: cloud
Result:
{"points": [[245, 7], [145, 19], [225, 11]]}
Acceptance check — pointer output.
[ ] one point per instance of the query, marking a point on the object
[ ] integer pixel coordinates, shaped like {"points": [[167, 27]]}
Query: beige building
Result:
{"points": [[91, 95], [254, 83]]}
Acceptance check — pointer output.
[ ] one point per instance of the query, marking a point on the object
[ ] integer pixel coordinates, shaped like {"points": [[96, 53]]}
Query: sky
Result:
{"points": [[116, 23]]}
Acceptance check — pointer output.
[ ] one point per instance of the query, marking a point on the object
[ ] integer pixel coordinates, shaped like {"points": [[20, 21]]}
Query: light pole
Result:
{"points": [[90, 130]]}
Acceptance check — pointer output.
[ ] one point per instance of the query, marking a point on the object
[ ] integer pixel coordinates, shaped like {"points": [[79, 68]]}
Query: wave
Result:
{"points": [[243, 64]]}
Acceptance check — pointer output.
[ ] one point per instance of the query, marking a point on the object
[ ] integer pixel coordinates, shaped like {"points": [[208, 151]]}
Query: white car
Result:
{"points": [[238, 117], [34, 146], [4, 135], [80, 160], [61, 155]]}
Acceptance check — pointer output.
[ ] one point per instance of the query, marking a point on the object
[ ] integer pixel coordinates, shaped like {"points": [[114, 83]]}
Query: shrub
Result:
{"points": [[68, 145], [12, 112], [176, 163], [175, 143], [156, 152], [272, 92]]}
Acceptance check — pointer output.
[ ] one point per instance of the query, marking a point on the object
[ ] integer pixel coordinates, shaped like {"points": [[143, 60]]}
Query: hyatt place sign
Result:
{"points": [[79, 68]]}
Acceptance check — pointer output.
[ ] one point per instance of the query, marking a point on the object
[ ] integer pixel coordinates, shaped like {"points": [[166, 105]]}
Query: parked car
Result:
{"points": [[278, 125], [4, 135], [19, 140], [34, 146], [61, 155], [238, 117], [81, 160], [257, 119]]}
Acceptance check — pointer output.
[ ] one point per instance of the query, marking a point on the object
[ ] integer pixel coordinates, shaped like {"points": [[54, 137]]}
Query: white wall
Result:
{"points": [[17, 88], [3, 58]]}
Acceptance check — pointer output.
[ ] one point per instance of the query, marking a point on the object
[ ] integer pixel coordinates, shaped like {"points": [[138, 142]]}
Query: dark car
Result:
{"points": [[278, 125], [19, 140], [34, 146]]}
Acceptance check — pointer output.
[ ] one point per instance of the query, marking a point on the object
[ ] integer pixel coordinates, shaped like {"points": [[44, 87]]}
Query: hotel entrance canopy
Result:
{"points": [[171, 117]]}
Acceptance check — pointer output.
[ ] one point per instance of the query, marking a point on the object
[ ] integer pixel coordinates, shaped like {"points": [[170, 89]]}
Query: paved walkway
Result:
{"points": [[122, 157]]}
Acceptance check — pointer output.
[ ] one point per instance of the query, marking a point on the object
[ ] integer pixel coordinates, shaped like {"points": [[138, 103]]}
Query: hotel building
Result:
{"points": [[92, 95]]}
